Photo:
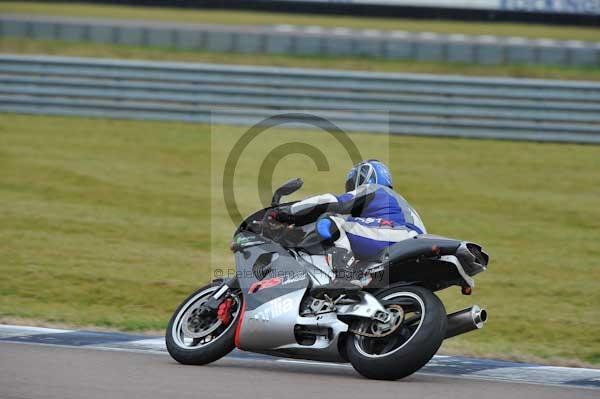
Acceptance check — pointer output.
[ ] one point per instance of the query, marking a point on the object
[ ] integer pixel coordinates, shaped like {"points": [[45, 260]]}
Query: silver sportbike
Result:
{"points": [[272, 304]]}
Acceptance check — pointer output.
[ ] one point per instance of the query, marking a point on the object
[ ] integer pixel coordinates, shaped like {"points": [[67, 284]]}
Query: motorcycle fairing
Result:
{"points": [[250, 265], [270, 312], [271, 327], [270, 324]]}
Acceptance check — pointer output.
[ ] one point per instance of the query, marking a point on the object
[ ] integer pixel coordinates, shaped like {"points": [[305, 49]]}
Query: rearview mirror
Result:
{"points": [[287, 188]]}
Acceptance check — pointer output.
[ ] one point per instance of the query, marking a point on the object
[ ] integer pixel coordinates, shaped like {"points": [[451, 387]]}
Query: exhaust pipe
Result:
{"points": [[465, 320]]}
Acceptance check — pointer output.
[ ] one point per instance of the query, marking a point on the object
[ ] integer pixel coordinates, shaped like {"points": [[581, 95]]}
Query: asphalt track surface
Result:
{"points": [[46, 363], [29, 371]]}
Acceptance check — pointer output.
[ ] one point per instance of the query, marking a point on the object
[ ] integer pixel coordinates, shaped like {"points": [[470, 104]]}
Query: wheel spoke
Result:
{"points": [[390, 344], [410, 320], [400, 301]]}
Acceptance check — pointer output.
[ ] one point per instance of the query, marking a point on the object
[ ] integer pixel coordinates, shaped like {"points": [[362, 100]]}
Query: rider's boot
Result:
{"points": [[342, 262]]}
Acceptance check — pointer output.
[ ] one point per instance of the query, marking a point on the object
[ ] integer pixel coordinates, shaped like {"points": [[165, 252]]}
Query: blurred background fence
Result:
{"points": [[546, 11], [433, 105], [307, 40]]}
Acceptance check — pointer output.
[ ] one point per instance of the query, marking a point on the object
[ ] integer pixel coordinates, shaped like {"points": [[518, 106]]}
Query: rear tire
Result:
{"points": [[411, 353], [221, 345]]}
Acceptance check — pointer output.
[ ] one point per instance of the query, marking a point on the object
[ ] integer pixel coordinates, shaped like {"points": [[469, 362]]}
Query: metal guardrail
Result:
{"points": [[412, 104], [306, 41]]}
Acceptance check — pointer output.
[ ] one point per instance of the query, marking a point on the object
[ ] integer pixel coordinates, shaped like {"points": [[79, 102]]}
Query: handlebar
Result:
{"points": [[274, 229]]}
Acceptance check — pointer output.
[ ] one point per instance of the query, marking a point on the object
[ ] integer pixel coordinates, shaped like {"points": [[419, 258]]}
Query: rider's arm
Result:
{"points": [[350, 203], [309, 209], [353, 202]]}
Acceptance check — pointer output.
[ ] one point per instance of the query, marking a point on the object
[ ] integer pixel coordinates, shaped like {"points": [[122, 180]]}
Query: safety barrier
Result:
{"points": [[412, 104], [306, 41]]}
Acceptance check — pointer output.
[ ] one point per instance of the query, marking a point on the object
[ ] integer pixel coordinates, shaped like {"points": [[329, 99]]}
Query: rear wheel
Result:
{"points": [[195, 338], [405, 344]]}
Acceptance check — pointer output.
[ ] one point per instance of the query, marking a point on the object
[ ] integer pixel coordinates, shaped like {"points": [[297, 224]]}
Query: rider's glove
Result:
{"points": [[281, 215]]}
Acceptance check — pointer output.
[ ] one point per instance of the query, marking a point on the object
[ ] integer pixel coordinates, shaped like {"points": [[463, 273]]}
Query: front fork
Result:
{"points": [[212, 304]]}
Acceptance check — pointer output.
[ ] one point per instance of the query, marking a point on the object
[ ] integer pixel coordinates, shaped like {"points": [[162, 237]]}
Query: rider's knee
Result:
{"points": [[327, 229]]}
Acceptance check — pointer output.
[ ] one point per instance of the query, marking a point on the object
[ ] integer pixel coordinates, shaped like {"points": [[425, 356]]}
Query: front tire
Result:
{"points": [[200, 342], [414, 343]]}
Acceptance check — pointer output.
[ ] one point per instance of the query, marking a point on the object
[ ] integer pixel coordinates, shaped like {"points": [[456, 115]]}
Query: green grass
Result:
{"points": [[108, 223], [263, 18], [32, 46]]}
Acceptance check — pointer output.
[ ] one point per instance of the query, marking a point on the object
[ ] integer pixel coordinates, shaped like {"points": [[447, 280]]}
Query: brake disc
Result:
{"points": [[196, 326]]}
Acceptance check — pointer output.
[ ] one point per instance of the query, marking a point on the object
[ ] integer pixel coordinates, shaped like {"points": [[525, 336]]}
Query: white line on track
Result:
{"points": [[440, 366]]}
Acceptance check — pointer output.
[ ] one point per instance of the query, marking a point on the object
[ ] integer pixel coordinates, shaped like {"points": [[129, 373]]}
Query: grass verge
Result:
{"points": [[264, 18], [109, 223], [33, 46]]}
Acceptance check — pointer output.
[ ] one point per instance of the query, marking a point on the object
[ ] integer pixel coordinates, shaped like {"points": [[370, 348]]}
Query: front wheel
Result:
{"points": [[195, 338], [391, 352]]}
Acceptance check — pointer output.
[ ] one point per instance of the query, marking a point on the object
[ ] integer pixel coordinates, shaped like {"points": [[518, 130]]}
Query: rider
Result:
{"points": [[369, 217]]}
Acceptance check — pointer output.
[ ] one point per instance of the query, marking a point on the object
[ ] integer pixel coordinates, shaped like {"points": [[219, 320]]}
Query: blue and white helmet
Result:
{"points": [[368, 172]]}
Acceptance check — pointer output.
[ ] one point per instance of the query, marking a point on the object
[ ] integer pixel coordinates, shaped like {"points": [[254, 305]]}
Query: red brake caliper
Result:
{"points": [[224, 311]]}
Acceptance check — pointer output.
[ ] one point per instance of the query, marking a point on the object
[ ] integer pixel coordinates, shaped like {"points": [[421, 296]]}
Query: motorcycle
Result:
{"points": [[387, 330]]}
